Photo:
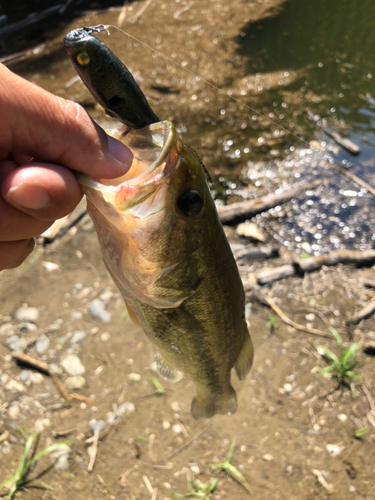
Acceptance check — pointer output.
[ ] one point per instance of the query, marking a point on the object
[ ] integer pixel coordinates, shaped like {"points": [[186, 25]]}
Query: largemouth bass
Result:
{"points": [[163, 244]]}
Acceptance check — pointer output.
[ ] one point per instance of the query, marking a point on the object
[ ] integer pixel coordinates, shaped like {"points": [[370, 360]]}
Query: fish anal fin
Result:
{"points": [[245, 359], [132, 315], [167, 371], [207, 407]]}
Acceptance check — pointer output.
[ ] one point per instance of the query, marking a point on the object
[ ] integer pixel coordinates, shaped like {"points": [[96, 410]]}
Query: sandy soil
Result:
{"points": [[288, 412]]}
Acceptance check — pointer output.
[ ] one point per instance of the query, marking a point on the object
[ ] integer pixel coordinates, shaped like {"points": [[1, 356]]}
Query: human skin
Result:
{"points": [[43, 138]]}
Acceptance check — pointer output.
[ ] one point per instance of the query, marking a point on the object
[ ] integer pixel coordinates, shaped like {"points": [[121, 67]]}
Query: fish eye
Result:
{"points": [[83, 59], [190, 203]]}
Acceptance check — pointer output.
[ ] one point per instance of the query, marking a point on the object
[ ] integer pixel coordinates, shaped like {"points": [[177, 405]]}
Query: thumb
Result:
{"points": [[51, 129]]}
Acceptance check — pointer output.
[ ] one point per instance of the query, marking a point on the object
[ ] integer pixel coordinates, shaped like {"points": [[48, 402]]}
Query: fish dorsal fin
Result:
{"points": [[132, 315], [166, 371], [245, 359]]}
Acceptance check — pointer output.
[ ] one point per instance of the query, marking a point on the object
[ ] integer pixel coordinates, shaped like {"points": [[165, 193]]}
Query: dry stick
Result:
{"points": [[362, 314], [264, 276], [341, 141], [289, 322], [352, 177], [92, 451], [43, 367], [189, 442], [238, 212]]}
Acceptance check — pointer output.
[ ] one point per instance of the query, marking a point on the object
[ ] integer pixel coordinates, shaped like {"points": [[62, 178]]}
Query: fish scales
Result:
{"points": [[166, 250]]}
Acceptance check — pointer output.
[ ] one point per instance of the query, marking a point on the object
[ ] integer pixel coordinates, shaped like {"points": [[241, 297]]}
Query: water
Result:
{"points": [[329, 48]]}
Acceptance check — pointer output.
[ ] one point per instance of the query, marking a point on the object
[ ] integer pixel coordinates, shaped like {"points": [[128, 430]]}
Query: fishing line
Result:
{"points": [[106, 27], [221, 91]]}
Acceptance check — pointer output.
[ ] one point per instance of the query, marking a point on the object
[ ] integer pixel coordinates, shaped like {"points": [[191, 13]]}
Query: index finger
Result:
{"points": [[37, 123]]}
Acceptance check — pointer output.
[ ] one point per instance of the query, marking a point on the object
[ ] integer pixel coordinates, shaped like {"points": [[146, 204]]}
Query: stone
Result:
{"points": [[14, 386], [26, 313], [72, 365], [42, 344], [61, 457], [16, 343], [134, 377], [36, 378], [75, 382], [97, 427], [14, 410], [252, 231], [26, 327], [97, 310], [77, 337], [6, 329]]}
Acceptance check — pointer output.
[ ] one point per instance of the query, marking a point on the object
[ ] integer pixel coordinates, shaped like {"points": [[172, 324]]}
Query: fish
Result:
{"points": [[164, 246]]}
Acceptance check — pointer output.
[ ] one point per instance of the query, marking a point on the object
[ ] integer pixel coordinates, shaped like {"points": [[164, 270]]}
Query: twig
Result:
{"points": [[43, 367], [148, 485], [58, 434], [122, 15], [92, 451], [289, 322], [141, 11], [189, 442], [368, 396], [362, 314], [238, 212]]}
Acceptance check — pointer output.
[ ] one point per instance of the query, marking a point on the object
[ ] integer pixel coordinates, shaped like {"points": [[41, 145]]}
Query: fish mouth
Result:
{"points": [[154, 158]]}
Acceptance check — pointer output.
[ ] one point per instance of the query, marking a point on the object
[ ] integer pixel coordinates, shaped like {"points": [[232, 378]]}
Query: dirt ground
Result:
{"points": [[294, 430]]}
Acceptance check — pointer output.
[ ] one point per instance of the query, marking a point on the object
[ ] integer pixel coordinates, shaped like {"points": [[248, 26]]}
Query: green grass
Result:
{"points": [[230, 469], [271, 323], [343, 364], [198, 490], [159, 389], [29, 457]]}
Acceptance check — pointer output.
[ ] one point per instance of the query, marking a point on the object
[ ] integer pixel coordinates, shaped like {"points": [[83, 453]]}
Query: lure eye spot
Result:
{"points": [[190, 203], [83, 59]]}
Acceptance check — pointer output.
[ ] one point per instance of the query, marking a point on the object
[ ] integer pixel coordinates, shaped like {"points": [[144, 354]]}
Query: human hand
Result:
{"points": [[42, 138]]}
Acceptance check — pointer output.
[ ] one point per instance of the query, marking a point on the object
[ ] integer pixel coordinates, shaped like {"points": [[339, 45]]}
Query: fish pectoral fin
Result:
{"points": [[245, 359], [132, 315], [167, 371], [208, 406]]}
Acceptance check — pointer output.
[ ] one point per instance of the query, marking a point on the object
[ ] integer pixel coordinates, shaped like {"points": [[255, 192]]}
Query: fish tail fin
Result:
{"points": [[208, 406], [245, 359], [167, 371]]}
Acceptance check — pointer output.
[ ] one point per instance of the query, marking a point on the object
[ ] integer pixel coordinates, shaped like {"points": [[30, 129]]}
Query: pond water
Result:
{"points": [[331, 46]]}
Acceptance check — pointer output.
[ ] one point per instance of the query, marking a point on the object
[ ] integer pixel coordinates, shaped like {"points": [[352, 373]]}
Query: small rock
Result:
{"points": [[55, 325], [175, 406], [6, 329], [166, 425], [16, 343], [106, 295], [50, 266], [342, 417], [72, 365], [4, 378], [134, 377], [26, 313], [310, 317], [55, 369], [14, 410], [288, 388], [267, 457], [42, 423], [61, 457], [97, 310], [75, 382], [176, 428], [42, 344], [26, 327], [77, 337], [125, 408], [105, 336], [36, 378], [334, 449], [251, 231], [24, 376], [76, 315], [14, 386], [98, 426]]}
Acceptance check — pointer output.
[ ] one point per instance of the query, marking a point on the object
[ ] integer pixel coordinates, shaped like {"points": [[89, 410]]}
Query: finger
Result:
{"points": [[13, 253], [39, 124], [44, 191]]}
